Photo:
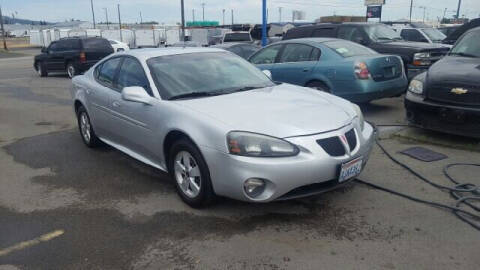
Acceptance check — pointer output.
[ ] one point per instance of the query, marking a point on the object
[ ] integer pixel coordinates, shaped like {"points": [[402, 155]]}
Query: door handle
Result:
{"points": [[87, 91], [116, 104]]}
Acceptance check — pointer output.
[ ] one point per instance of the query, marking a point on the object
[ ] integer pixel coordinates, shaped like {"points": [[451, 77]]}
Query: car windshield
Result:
{"points": [[348, 49], [233, 37], [204, 74], [434, 34], [468, 46], [382, 33]]}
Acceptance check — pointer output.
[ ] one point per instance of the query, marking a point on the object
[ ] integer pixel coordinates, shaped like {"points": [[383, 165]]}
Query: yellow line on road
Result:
{"points": [[33, 242]]}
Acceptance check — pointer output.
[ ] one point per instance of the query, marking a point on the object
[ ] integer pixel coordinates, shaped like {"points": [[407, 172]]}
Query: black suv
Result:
{"points": [[417, 56], [447, 97], [73, 55]]}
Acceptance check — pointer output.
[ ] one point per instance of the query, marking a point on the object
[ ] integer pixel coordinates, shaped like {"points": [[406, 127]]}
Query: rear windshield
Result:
{"points": [[237, 37], [99, 44], [348, 49]]}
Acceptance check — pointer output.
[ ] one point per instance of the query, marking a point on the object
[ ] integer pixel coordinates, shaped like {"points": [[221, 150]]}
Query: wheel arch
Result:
{"points": [[172, 137], [320, 80]]}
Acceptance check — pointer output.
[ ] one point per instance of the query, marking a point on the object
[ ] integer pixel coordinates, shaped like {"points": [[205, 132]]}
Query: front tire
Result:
{"points": [[71, 70], [86, 129], [191, 175], [41, 69]]}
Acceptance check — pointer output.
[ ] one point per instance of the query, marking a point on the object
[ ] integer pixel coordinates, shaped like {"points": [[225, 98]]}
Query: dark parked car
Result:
{"points": [[454, 36], [447, 97], [447, 30], [72, 55], [243, 50], [417, 56]]}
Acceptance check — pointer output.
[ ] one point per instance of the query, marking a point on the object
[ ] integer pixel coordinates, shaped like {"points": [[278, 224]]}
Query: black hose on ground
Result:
{"points": [[464, 193]]}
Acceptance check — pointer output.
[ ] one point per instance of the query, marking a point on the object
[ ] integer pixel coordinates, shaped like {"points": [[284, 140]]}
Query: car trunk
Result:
{"points": [[383, 68], [96, 48]]}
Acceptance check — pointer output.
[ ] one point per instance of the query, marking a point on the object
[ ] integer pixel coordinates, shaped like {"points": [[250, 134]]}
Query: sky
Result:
{"points": [[245, 11]]}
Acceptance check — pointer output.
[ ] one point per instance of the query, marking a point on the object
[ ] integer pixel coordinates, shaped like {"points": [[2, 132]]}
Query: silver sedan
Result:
{"points": [[220, 126]]}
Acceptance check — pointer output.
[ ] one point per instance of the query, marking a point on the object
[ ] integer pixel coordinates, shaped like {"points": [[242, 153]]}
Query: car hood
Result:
{"points": [[466, 71], [414, 45], [281, 111]]}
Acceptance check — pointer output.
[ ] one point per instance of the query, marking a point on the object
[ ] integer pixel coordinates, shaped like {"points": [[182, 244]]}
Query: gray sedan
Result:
{"points": [[220, 126]]}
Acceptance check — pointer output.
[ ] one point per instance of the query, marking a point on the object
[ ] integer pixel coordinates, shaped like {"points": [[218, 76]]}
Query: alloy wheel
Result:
{"points": [[85, 127], [71, 71], [187, 174]]}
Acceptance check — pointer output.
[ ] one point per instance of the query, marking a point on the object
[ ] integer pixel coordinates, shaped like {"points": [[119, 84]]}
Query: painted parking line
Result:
{"points": [[26, 244]]}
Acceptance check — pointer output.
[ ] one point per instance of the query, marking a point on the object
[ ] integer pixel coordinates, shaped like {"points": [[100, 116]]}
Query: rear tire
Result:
{"points": [[86, 129], [41, 69], [318, 85], [71, 70], [190, 173]]}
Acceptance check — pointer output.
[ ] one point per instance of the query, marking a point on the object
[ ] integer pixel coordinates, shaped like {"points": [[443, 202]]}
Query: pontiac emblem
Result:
{"points": [[459, 91]]}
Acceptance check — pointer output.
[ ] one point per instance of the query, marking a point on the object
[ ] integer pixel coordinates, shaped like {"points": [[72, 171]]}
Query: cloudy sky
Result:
{"points": [[168, 11]]}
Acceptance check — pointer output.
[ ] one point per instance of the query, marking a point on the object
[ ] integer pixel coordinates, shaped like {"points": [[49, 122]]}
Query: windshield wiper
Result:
{"points": [[194, 95], [463, 54], [246, 88]]}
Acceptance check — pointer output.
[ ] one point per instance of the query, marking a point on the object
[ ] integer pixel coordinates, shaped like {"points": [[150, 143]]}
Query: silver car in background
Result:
{"points": [[220, 126]]}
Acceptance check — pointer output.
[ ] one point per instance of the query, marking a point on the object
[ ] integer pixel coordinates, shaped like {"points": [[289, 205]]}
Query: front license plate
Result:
{"points": [[350, 170]]}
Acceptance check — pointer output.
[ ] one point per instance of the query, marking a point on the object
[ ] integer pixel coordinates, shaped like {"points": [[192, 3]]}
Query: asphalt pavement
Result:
{"points": [[64, 206]]}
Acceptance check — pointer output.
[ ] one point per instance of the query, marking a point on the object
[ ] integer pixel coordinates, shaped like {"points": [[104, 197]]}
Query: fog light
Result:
{"points": [[254, 187]]}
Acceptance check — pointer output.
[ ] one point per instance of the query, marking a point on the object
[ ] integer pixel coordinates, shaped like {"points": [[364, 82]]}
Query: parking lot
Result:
{"points": [[64, 206]]}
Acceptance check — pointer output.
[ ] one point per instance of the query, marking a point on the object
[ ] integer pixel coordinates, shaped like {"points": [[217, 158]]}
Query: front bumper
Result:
{"points": [[464, 121], [312, 171]]}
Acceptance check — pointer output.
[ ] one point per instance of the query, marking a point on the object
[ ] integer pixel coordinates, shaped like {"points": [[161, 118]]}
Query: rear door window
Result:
{"points": [[132, 74], [106, 72], [72, 44], [97, 44], [324, 32], [296, 53], [248, 50], [267, 55], [351, 33], [412, 35]]}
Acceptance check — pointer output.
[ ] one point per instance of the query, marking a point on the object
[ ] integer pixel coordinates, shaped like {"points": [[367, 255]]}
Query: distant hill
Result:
{"points": [[10, 20]]}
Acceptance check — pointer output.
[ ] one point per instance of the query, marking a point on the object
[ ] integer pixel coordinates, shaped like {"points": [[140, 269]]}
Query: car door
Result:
{"points": [[295, 64], [134, 122], [266, 57], [100, 97], [55, 56]]}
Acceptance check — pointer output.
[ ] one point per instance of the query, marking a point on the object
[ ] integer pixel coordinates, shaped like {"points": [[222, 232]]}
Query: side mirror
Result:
{"points": [[136, 94], [268, 73], [44, 50]]}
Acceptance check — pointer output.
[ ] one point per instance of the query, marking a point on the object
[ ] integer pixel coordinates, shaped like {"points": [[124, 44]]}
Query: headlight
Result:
{"points": [[421, 55], [359, 113], [422, 59], [256, 145], [416, 87]]}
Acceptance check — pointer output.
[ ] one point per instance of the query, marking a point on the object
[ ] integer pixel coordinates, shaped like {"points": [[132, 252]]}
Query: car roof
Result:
{"points": [[155, 52], [231, 44], [309, 40]]}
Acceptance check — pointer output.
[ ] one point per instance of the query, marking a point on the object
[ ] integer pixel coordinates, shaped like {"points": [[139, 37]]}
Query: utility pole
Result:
{"points": [[280, 14], [106, 16], [93, 13], [119, 22], [223, 11], [193, 15], [232, 18], [183, 20], [203, 11], [141, 19], [444, 14], [264, 23], [3, 30], [424, 10], [458, 9], [411, 9]]}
